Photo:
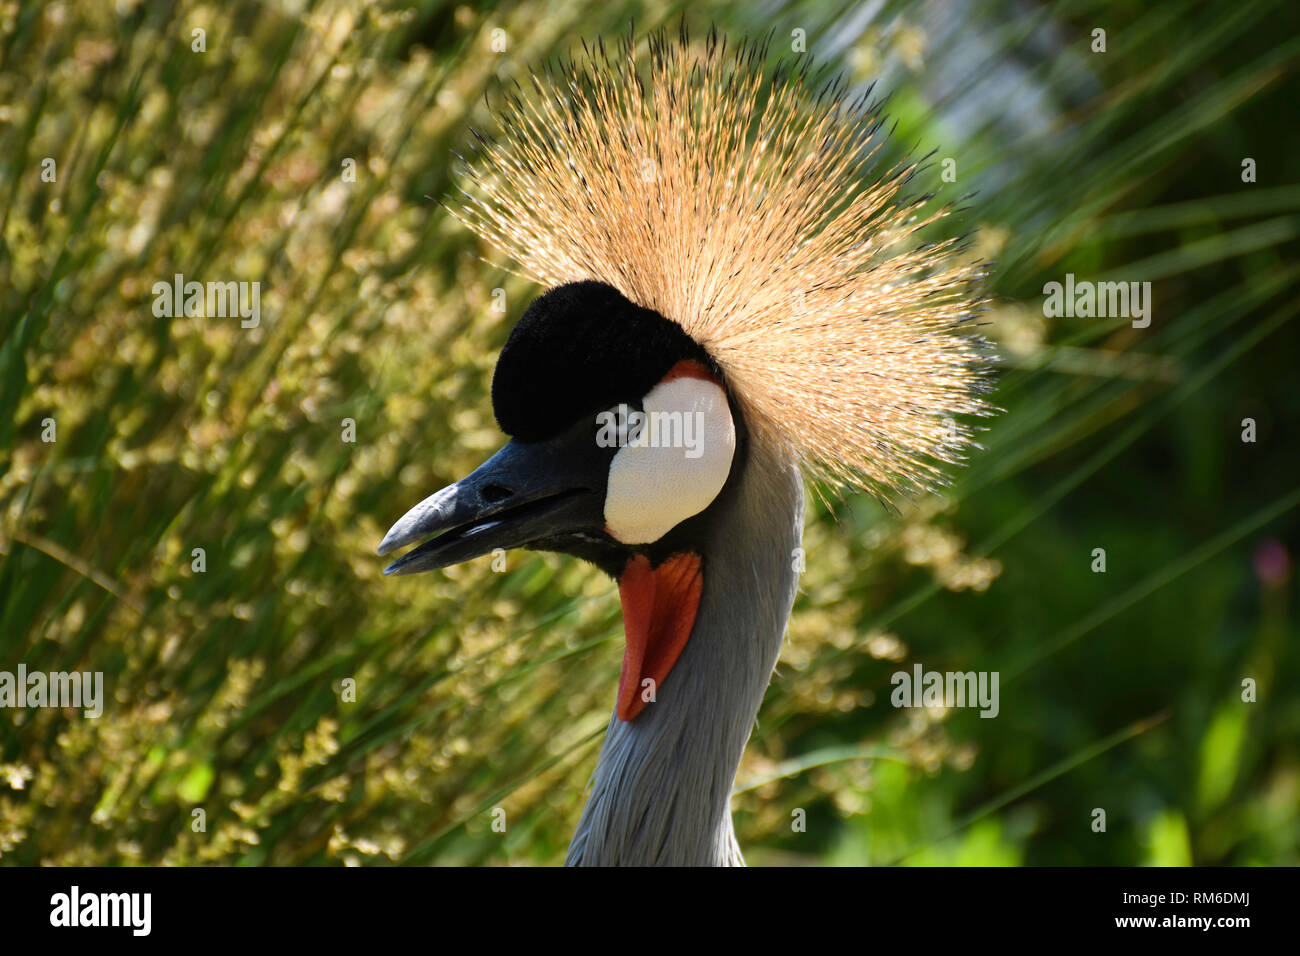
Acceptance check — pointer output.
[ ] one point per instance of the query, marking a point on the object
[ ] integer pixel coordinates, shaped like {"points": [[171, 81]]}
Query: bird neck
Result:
{"points": [[661, 792]]}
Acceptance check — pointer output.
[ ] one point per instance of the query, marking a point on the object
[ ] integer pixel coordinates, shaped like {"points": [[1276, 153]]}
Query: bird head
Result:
{"points": [[623, 438], [721, 257]]}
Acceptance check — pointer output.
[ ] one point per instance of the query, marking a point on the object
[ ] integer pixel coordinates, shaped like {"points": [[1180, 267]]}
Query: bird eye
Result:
{"points": [[674, 457], [621, 425]]}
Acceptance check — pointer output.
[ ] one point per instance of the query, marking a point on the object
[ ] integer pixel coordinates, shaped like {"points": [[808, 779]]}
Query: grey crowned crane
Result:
{"points": [[735, 303]]}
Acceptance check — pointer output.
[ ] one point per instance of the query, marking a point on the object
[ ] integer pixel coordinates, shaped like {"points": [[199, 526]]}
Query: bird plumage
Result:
{"points": [[661, 792], [742, 205]]}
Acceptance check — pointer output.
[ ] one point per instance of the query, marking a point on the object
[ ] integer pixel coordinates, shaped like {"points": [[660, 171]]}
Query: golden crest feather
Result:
{"points": [[741, 204]]}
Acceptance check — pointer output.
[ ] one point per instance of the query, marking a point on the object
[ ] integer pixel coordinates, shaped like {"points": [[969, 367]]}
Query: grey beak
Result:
{"points": [[524, 493], [437, 512]]}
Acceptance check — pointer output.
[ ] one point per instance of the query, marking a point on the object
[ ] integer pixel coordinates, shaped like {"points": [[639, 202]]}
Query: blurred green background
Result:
{"points": [[476, 690]]}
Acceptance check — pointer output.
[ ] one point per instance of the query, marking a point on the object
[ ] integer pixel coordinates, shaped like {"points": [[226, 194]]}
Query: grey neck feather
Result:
{"points": [[661, 793]]}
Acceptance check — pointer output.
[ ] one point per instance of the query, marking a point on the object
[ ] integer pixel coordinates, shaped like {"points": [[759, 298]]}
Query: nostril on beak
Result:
{"points": [[494, 493]]}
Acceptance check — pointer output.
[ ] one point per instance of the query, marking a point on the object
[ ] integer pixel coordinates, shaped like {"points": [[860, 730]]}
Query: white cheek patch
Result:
{"points": [[675, 466]]}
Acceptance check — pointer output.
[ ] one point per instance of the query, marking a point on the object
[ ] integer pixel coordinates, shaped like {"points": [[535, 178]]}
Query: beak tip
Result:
{"points": [[395, 538]]}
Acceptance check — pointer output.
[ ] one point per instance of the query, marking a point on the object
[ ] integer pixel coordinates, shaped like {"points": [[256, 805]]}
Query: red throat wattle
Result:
{"points": [[659, 606]]}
